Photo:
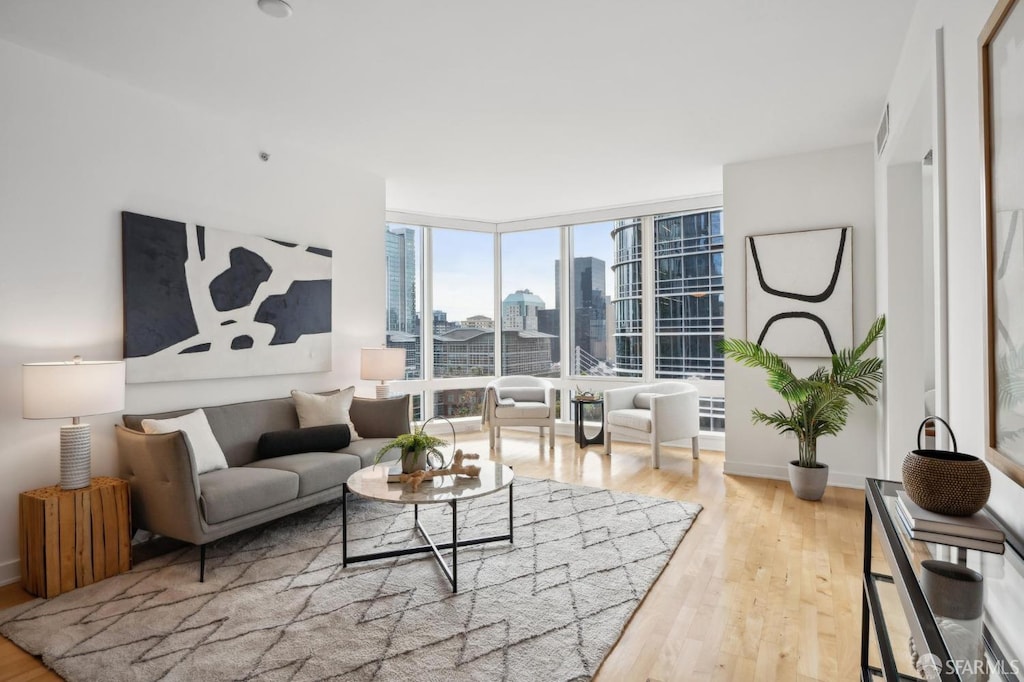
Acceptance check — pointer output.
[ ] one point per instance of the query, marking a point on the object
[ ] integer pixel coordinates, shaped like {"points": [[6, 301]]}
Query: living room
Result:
{"points": [[89, 132]]}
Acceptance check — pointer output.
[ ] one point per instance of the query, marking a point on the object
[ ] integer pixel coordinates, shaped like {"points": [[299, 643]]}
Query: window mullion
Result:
{"points": [[647, 307]]}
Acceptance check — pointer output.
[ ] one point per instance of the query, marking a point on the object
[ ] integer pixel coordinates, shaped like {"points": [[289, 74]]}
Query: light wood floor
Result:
{"points": [[763, 587]]}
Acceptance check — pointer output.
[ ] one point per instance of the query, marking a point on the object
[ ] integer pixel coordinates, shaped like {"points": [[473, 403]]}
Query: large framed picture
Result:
{"points": [[203, 303], [1002, 62]]}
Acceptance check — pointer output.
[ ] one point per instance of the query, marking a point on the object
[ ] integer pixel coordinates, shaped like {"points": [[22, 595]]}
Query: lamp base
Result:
{"points": [[75, 446], [383, 391]]}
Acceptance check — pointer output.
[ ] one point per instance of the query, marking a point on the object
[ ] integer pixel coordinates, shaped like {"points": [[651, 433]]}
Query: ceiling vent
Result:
{"points": [[883, 131]]}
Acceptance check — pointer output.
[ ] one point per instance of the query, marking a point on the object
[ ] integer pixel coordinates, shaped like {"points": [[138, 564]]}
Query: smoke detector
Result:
{"points": [[279, 9]]}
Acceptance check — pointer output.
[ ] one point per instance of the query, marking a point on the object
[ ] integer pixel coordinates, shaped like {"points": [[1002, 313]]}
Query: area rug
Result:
{"points": [[277, 604]]}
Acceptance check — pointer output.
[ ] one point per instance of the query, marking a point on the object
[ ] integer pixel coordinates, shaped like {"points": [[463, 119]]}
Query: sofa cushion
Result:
{"points": [[385, 418], [522, 410], [642, 401], [367, 448], [229, 493], [312, 439], [322, 410], [205, 449], [631, 419], [534, 394], [316, 470]]}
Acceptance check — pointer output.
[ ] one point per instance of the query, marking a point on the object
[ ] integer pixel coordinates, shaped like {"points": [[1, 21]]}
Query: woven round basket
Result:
{"points": [[943, 481]]}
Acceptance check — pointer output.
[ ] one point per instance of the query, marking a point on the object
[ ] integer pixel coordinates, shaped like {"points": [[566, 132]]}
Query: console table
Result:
{"points": [[897, 614]]}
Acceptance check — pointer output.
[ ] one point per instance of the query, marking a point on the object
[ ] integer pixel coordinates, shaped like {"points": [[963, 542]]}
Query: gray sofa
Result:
{"points": [[169, 498]]}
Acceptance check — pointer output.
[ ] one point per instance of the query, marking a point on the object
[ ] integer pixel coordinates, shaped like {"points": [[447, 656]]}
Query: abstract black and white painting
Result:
{"points": [[201, 303], [800, 291]]}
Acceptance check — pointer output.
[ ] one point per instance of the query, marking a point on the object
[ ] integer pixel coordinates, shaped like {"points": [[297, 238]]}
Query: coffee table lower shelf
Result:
{"points": [[450, 571]]}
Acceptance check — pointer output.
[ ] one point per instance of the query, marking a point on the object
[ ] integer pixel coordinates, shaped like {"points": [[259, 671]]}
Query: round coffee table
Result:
{"points": [[372, 483]]}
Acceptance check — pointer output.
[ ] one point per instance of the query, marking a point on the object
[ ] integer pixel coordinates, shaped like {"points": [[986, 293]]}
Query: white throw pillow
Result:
{"points": [[642, 401], [205, 449], [324, 410]]}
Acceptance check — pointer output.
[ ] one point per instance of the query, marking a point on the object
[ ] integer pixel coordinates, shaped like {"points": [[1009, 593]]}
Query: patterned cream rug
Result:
{"points": [[277, 604]]}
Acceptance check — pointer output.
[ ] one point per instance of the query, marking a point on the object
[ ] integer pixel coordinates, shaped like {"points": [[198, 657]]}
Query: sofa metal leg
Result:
{"points": [[202, 563], [696, 447], [656, 453], [607, 440], [492, 437]]}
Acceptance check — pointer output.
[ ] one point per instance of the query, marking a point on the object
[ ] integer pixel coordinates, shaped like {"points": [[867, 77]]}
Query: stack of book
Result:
{"points": [[973, 532]]}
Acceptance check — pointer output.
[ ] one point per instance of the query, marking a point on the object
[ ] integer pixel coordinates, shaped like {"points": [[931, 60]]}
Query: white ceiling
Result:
{"points": [[512, 109]]}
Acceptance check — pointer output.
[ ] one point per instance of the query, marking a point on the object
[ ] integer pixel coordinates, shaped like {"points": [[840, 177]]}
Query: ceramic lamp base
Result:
{"points": [[383, 391], [75, 446]]}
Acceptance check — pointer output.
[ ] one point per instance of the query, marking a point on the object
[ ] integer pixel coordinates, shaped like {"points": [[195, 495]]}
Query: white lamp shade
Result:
{"points": [[58, 390], [382, 364]]}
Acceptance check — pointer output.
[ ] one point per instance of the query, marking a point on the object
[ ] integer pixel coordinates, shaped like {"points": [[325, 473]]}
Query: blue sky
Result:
{"points": [[463, 271]]}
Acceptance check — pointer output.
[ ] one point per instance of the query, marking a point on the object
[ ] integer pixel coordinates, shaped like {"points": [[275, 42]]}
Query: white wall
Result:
{"points": [[962, 23], [830, 188], [75, 150]]}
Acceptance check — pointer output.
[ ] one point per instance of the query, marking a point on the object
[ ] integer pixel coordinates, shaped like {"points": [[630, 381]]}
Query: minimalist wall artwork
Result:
{"points": [[800, 291], [201, 303]]}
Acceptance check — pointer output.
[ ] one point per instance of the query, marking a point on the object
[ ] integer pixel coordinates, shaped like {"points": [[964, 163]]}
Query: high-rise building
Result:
{"points": [[589, 302], [689, 298], [519, 310], [400, 256], [628, 272]]}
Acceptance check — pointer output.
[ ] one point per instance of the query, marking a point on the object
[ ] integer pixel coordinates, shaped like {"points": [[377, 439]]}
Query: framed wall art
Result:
{"points": [[1002, 61], [800, 291], [203, 303]]}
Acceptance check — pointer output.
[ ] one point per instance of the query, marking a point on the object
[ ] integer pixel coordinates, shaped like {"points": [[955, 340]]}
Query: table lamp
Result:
{"points": [[59, 390], [382, 364]]}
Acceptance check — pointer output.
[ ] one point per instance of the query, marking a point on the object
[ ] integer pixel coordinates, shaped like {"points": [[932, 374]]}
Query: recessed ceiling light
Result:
{"points": [[279, 9]]}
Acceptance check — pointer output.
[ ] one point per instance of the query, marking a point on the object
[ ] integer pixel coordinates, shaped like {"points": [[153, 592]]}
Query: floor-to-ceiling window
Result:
{"points": [[590, 301], [463, 324], [403, 253], [627, 239], [689, 293], [529, 302], [596, 276]]}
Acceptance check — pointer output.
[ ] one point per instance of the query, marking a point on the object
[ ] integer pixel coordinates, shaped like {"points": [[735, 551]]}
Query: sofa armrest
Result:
{"points": [[164, 483]]}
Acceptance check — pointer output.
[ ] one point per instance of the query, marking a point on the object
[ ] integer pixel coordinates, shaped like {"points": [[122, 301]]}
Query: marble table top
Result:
{"points": [[372, 482]]}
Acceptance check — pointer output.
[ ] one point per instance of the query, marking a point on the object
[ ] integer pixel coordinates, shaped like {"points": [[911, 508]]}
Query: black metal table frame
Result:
{"points": [[919, 616], [450, 572], [581, 435]]}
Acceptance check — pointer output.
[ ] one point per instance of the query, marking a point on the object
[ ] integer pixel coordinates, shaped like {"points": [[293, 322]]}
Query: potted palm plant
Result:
{"points": [[816, 405], [415, 447]]}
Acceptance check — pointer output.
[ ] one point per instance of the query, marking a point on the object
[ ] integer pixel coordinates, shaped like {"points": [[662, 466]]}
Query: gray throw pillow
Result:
{"points": [[385, 418]]}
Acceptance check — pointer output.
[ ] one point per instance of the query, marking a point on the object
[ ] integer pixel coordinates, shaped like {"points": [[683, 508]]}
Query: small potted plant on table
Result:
{"points": [[415, 447]]}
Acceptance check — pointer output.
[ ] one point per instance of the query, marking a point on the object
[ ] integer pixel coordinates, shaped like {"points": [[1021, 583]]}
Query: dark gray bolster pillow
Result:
{"points": [[311, 439]]}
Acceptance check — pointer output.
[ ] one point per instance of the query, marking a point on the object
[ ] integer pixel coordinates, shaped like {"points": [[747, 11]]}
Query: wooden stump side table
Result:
{"points": [[73, 538]]}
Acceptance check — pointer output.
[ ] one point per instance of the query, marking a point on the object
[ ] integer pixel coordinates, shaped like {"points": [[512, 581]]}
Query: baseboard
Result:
{"points": [[781, 473], [10, 571], [708, 440]]}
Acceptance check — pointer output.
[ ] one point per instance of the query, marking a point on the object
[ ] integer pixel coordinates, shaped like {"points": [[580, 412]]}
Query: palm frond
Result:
{"points": [[819, 404]]}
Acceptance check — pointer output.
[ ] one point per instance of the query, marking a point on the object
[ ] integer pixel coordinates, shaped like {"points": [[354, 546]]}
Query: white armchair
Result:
{"points": [[520, 401], [660, 412]]}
